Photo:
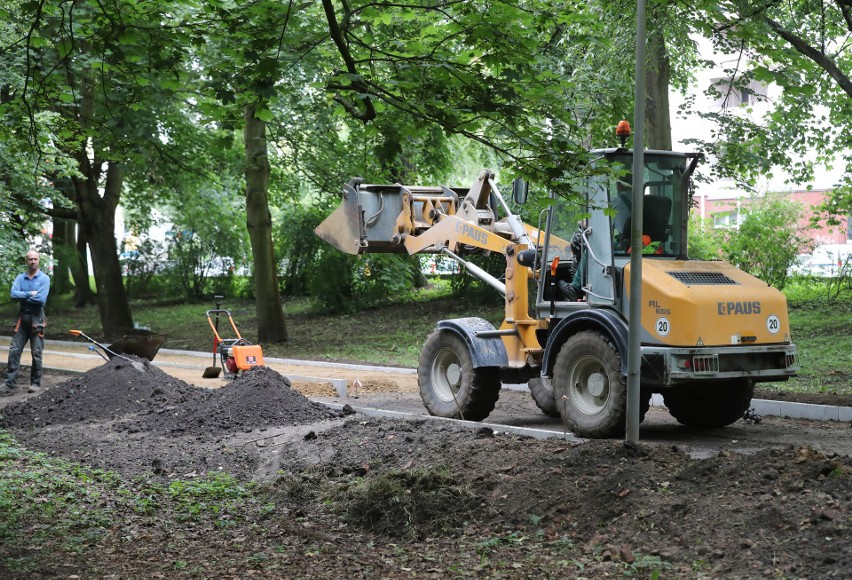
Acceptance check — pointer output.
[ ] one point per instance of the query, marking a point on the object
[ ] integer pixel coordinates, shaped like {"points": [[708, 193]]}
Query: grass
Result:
{"points": [[53, 507], [393, 334], [821, 330]]}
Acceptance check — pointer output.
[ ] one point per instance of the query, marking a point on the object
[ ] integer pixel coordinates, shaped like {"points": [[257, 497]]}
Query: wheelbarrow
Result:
{"points": [[143, 344]]}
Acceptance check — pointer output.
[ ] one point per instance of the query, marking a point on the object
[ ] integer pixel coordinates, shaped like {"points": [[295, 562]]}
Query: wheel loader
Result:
{"points": [[709, 330]]}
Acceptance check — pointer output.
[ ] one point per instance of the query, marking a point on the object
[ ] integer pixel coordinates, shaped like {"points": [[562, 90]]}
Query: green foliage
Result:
{"points": [[842, 282], [214, 494], [140, 265], [202, 264], [802, 48], [526, 81], [11, 258], [472, 289], [829, 289], [46, 502], [190, 254], [819, 328], [298, 248], [768, 239], [703, 241], [344, 283]]}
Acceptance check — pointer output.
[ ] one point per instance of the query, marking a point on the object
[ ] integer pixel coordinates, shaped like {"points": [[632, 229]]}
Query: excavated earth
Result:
{"points": [[440, 500]]}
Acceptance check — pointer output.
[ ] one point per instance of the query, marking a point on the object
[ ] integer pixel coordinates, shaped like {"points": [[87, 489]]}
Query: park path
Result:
{"points": [[312, 376]]}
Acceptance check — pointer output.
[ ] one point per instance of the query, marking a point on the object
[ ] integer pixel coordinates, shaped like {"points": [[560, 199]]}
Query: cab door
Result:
{"points": [[599, 278]]}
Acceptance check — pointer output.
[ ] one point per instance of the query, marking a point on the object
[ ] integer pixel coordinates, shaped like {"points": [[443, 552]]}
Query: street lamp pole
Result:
{"points": [[634, 338]]}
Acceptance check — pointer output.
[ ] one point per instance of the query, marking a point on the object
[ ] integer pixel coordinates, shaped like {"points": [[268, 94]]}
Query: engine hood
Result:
{"points": [[695, 303]]}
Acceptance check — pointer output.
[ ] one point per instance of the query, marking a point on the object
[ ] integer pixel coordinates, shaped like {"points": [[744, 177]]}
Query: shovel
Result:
{"points": [[214, 371], [136, 364]]}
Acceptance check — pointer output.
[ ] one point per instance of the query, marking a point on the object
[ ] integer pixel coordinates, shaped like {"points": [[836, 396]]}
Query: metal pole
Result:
{"points": [[634, 339]]}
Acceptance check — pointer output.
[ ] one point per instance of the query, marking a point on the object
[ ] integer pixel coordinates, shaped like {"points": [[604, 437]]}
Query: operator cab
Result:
{"points": [[663, 202], [601, 229]]}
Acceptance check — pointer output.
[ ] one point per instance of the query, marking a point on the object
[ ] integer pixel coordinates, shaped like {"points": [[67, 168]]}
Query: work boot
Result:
{"points": [[34, 389]]}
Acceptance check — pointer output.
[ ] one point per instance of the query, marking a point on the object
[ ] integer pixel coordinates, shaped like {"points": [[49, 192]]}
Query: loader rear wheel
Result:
{"points": [[709, 405], [543, 396], [589, 388], [449, 384]]}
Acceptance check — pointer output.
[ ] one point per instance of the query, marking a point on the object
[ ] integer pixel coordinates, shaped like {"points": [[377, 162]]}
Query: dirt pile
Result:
{"points": [[259, 398], [459, 499], [160, 403], [783, 510], [116, 388]]}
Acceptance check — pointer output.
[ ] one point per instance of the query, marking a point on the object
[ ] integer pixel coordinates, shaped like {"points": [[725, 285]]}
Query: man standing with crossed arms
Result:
{"points": [[30, 290]]}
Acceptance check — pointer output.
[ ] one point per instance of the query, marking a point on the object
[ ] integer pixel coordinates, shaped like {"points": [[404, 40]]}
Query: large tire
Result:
{"points": [[543, 396], [589, 388], [449, 385], [710, 405], [546, 402]]}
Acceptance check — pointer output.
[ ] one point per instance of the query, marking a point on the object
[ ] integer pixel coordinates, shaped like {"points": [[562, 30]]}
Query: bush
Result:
{"points": [[344, 283], [200, 267], [468, 287], [768, 240], [298, 248], [766, 243], [703, 243]]}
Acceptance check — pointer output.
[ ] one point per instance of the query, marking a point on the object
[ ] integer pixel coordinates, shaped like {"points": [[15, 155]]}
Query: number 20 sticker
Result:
{"points": [[773, 325], [662, 326]]}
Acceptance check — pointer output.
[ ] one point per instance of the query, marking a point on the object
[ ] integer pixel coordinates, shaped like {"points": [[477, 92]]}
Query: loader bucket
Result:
{"points": [[143, 345], [344, 228], [376, 218]]}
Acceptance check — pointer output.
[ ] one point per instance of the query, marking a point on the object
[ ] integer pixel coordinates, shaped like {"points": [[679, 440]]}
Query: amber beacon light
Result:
{"points": [[622, 131]]}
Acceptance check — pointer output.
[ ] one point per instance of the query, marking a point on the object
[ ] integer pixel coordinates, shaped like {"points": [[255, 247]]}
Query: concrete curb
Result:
{"points": [[196, 354], [524, 431]]}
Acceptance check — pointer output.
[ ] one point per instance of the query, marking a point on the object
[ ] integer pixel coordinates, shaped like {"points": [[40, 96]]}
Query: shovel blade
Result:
{"points": [[344, 228], [211, 372]]}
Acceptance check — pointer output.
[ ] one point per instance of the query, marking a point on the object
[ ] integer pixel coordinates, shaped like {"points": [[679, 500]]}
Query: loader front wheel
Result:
{"points": [[709, 405], [589, 388], [449, 384], [542, 394]]}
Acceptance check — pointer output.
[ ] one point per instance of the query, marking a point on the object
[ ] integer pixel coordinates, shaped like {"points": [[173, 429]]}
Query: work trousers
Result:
{"points": [[30, 328]]}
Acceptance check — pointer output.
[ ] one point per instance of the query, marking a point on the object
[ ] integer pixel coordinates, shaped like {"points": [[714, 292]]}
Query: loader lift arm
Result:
{"points": [[454, 222]]}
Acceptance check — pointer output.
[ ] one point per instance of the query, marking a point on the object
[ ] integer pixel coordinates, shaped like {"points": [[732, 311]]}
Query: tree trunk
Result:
{"points": [[83, 293], [270, 316], [63, 252], [658, 127], [97, 223]]}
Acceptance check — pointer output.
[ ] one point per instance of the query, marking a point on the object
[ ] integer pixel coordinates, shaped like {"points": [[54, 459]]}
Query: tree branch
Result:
{"points": [[846, 9], [369, 111], [823, 61]]}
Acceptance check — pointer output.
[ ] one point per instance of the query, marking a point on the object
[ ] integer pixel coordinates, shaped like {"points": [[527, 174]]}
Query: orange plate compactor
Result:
{"points": [[235, 354]]}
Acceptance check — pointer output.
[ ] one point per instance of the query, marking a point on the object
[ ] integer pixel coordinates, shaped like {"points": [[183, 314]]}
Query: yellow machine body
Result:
{"points": [[708, 303], [709, 331]]}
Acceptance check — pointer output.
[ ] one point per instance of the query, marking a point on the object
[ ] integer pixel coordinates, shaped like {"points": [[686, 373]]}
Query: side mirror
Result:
{"points": [[520, 190]]}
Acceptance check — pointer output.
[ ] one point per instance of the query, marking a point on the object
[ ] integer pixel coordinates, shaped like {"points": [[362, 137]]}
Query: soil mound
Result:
{"points": [[114, 389], [145, 399], [260, 397]]}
